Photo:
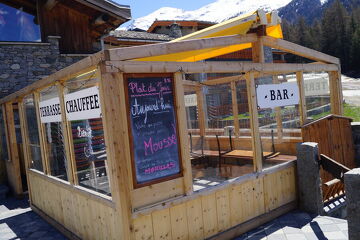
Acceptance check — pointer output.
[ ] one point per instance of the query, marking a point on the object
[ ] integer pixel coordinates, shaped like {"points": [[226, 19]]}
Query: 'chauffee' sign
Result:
{"points": [[277, 95], [83, 104]]}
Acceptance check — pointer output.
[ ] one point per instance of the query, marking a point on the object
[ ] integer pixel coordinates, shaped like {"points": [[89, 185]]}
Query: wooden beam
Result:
{"points": [[85, 65], [258, 51], [176, 47], [112, 98], [302, 103], [201, 113], [183, 136], [299, 50], [254, 122], [235, 108], [213, 67], [336, 97]]}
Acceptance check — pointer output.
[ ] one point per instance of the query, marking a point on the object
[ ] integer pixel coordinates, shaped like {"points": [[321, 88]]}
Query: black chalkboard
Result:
{"points": [[153, 129]]}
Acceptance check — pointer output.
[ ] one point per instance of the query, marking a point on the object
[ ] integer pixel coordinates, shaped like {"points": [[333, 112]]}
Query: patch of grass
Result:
{"points": [[320, 115], [352, 112]]}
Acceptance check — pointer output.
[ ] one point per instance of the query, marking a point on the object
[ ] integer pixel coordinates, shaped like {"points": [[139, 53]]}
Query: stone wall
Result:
{"points": [[25, 63]]}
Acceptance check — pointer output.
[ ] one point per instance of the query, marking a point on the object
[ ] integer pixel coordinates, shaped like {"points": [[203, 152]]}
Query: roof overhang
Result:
{"points": [[113, 9]]}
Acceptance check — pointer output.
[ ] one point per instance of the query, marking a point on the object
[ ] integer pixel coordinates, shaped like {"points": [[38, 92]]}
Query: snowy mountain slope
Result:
{"points": [[217, 11]]}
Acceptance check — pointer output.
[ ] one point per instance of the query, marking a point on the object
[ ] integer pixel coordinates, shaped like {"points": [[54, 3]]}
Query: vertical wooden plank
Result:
{"points": [[254, 122], [201, 113], [67, 138], [179, 225], [258, 195], [209, 215], [195, 219], [183, 137], [302, 103], [236, 204], [3, 109], [162, 225], [12, 166], [235, 108], [46, 167], [223, 209], [278, 115], [143, 228], [112, 97], [336, 98]]}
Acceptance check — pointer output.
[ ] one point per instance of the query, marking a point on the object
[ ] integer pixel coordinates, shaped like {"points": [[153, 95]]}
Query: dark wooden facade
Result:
{"points": [[80, 24]]}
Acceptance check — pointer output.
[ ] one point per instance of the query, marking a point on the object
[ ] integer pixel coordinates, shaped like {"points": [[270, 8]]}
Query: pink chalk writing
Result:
{"points": [[152, 147], [169, 165]]}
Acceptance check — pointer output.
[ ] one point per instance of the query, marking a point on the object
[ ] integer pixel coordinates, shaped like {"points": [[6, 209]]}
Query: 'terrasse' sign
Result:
{"points": [[277, 95], [83, 104]]}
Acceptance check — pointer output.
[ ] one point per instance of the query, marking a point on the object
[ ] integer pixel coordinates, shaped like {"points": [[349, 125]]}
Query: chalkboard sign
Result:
{"points": [[153, 128]]}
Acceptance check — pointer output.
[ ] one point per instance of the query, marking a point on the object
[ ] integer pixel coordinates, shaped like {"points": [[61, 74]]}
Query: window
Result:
{"points": [[33, 133], [83, 111], [222, 153], [50, 117], [18, 24]]}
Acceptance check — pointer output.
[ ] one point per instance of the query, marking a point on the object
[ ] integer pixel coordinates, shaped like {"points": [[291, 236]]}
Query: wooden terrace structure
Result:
{"points": [[165, 207]]}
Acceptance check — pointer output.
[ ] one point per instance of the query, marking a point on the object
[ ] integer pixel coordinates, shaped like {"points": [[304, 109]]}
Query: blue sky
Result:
{"points": [[140, 8]]}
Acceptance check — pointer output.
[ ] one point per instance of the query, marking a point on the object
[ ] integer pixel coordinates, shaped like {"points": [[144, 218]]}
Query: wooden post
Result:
{"points": [[302, 103], [46, 167], [66, 130], [258, 51], [182, 129], [235, 109], [278, 115], [112, 98], [13, 165], [336, 98], [254, 121], [201, 113], [25, 144], [257, 57]]}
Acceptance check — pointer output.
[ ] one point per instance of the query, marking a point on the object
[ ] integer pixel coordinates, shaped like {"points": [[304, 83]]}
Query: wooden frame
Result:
{"points": [[162, 179], [146, 211]]}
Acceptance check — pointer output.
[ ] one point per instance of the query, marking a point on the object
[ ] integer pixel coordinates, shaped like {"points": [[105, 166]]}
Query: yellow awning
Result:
{"points": [[239, 25]]}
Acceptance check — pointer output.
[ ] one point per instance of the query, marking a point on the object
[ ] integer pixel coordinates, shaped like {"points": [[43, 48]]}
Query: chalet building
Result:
{"points": [[40, 37]]}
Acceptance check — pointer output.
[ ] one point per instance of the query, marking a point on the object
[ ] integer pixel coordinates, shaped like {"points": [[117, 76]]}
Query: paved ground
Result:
{"points": [[18, 221], [300, 226]]}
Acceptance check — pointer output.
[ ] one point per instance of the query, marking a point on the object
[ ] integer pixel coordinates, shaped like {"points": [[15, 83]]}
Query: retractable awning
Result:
{"points": [[236, 26]]}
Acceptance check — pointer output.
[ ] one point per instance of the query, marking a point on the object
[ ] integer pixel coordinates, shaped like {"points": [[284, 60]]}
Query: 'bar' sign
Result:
{"points": [[277, 95]]}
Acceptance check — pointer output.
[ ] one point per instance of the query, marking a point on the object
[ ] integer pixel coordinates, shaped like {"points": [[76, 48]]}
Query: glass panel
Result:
{"points": [[317, 95], [279, 125], [16, 24], [3, 139], [88, 139], [221, 154], [33, 133], [52, 126]]}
